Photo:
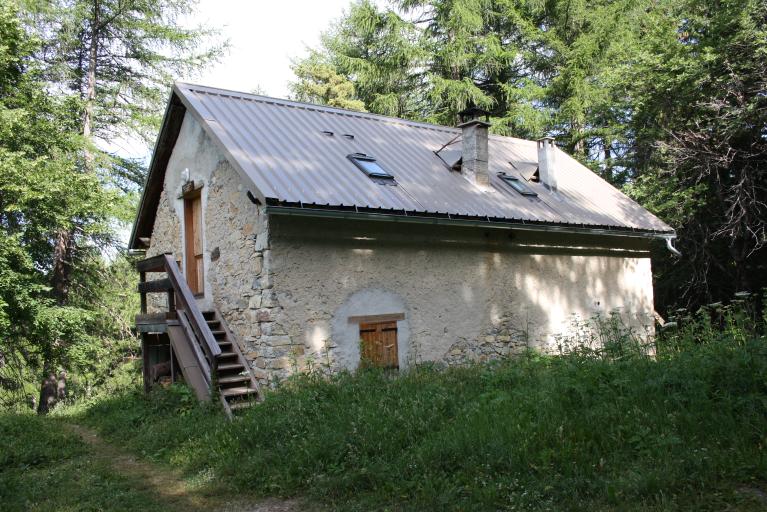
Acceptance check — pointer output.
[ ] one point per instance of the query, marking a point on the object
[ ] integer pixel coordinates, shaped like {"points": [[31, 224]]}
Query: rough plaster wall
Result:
{"points": [[462, 301]]}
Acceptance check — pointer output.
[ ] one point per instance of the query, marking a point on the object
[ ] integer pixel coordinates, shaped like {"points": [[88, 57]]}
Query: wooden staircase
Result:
{"points": [[200, 341], [237, 386]]}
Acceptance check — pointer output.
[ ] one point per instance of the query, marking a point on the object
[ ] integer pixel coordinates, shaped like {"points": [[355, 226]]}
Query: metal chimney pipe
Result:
{"points": [[547, 168]]}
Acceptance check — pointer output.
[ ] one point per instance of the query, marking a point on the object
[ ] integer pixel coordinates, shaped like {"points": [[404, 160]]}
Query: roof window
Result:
{"points": [[369, 166], [517, 184]]}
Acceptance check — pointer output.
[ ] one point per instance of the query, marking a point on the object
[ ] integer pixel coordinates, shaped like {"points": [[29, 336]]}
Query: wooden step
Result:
{"points": [[209, 315], [233, 379], [224, 343], [219, 334], [227, 355], [238, 391], [230, 366]]}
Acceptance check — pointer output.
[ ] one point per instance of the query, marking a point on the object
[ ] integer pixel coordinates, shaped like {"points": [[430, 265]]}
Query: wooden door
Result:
{"points": [[379, 344], [193, 242]]}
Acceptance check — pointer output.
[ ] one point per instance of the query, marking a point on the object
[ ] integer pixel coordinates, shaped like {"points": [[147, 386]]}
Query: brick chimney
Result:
{"points": [[547, 168], [474, 156]]}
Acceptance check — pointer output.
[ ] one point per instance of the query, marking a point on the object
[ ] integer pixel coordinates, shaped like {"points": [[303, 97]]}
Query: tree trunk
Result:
{"points": [[608, 158], [90, 84], [63, 253], [64, 248], [578, 145]]}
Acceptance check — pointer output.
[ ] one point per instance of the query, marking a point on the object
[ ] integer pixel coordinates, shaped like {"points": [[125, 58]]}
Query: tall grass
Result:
{"points": [[681, 428]]}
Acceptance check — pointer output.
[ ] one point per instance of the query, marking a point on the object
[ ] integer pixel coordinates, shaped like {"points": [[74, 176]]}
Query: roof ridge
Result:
{"points": [[205, 89]]}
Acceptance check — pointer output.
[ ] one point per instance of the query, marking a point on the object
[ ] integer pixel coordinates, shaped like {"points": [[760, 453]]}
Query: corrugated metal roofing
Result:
{"points": [[284, 149]]}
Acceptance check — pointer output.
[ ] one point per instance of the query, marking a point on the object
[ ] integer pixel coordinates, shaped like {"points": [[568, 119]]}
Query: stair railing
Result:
{"points": [[180, 297]]}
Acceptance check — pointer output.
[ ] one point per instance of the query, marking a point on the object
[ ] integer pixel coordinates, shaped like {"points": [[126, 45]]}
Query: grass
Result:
{"points": [[612, 429], [685, 432], [48, 468]]}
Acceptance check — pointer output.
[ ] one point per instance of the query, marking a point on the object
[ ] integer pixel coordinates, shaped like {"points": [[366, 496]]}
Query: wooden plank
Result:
{"points": [[193, 243], [142, 279], [153, 264], [371, 319], [197, 225], [152, 328], [145, 362], [156, 286], [198, 261], [188, 363], [150, 318], [389, 345], [174, 116], [190, 268]]}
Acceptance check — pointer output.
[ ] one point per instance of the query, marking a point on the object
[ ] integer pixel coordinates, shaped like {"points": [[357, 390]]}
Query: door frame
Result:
{"points": [[190, 195]]}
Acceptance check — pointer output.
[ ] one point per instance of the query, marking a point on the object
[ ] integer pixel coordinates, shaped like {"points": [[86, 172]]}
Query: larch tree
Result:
{"points": [[117, 58], [319, 82], [40, 191]]}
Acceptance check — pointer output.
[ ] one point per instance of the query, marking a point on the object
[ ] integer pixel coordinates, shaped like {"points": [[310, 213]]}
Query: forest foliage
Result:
{"points": [[75, 76]]}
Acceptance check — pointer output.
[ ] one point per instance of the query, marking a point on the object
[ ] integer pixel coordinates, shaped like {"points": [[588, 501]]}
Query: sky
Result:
{"points": [[264, 37]]}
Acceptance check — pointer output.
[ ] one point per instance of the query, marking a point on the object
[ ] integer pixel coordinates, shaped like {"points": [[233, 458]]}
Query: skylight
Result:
{"points": [[369, 166], [518, 185]]}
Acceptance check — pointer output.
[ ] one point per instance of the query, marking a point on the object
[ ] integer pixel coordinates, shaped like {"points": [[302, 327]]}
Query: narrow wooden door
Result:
{"points": [[379, 344], [193, 242]]}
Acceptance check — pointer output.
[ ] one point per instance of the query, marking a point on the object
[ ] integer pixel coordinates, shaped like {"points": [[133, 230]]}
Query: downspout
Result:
{"points": [[671, 248]]}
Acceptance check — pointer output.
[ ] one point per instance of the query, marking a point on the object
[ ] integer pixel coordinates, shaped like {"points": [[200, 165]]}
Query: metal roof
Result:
{"points": [[284, 148]]}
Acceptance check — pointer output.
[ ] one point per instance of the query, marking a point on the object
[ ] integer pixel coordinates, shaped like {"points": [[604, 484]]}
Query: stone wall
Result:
{"points": [[237, 235], [166, 237], [466, 294]]}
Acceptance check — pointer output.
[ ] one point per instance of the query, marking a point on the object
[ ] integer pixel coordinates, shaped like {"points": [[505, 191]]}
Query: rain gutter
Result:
{"points": [[291, 211]]}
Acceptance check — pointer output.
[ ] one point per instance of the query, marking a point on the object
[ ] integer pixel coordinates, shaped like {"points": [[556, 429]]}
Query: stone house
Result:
{"points": [[328, 237]]}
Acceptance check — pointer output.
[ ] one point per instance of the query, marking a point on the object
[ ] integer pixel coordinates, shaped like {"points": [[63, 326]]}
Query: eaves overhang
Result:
{"points": [[352, 213], [163, 148]]}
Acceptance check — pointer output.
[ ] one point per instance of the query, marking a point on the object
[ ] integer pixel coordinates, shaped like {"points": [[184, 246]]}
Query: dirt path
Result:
{"points": [[168, 484]]}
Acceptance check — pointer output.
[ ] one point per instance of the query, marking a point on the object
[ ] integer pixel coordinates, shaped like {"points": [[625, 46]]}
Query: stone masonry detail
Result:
{"points": [[241, 279], [507, 337]]}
